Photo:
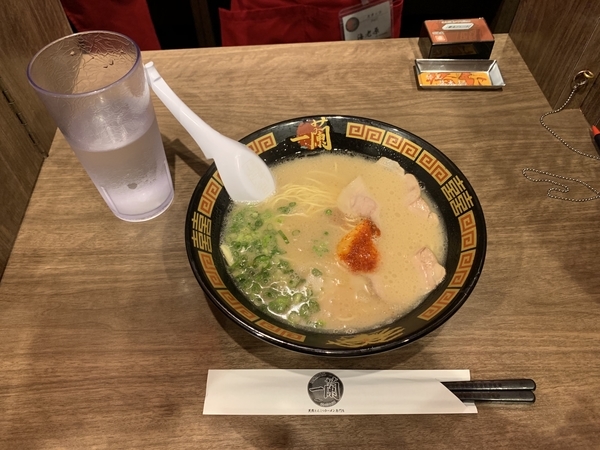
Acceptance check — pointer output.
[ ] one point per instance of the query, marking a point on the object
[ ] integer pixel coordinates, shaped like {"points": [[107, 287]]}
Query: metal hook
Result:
{"points": [[581, 78]]}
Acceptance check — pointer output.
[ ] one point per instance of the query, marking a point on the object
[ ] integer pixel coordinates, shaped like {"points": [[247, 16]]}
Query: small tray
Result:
{"points": [[458, 74]]}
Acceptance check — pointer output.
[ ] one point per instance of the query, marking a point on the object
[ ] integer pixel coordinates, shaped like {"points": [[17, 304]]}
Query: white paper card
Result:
{"points": [[309, 392], [373, 21]]}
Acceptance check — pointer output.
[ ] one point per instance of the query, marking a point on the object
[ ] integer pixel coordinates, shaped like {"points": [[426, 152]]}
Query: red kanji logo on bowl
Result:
{"points": [[314, 134]]}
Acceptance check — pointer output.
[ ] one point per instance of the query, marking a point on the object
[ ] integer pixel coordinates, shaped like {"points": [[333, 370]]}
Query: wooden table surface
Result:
{"points": [[106, 337]]}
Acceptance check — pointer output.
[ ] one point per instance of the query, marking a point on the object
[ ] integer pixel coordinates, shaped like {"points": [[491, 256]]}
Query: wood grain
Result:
{"points": [[557, 39], [504, 17], [590, 107], [107, 337], [20, 162], [25, 127], [26, 27]]}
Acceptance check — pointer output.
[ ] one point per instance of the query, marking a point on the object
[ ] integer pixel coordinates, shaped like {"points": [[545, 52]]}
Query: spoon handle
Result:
{"points": [[194, 125]]}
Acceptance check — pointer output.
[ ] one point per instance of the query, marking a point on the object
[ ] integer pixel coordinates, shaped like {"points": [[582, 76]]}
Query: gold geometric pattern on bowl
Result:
{"points": [[465, 263], [443, 301], [375, 337], [206, 259], [237, 306], [401, 145], [435, 168], [365, 132], [280, 331], [209, 197], [379, 136], [468, 230], [263, 143]]}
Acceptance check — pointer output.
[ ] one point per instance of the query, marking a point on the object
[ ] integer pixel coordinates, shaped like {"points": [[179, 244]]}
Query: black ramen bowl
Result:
{"points": [[455, 198]]}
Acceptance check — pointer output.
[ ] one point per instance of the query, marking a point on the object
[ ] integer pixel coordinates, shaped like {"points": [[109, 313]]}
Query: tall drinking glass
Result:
{"points": [[94, 86]]}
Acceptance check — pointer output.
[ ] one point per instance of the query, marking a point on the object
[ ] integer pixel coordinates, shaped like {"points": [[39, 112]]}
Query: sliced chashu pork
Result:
{"points": [[356, 201], [357, 249], [428, 266], [413, 197]]}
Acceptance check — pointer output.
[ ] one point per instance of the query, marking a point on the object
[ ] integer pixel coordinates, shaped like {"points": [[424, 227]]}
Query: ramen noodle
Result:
{"points": [[345, 243]]}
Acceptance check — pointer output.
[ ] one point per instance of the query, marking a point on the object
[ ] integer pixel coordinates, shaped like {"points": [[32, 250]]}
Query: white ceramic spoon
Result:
{"points": [[245, 175]]}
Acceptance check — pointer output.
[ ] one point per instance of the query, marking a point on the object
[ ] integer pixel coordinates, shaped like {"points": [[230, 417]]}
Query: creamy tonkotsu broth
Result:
{"points": [[345, 244]]}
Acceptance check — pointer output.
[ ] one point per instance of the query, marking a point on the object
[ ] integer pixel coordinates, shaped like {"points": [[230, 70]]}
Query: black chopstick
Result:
{"points": [[519, 384], [496, 396], [514, 390]]}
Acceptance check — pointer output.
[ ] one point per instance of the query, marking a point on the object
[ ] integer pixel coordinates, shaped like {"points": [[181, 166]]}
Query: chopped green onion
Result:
{"points": [[313, 306], [316, 272], [253, 254], [279, 305], [283, 236], [320, 249], [303, 311]]}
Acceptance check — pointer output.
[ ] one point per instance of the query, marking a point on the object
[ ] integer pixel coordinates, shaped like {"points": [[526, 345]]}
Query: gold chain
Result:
{"points": [[579, 81]]}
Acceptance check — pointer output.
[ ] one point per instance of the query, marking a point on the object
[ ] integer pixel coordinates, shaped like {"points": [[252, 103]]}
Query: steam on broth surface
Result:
{"points": [[345, 243]]}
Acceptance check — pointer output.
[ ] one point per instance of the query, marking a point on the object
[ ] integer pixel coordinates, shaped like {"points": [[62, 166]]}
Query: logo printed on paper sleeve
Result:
{"points": [[325, 389]]}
